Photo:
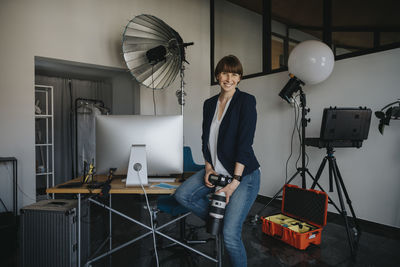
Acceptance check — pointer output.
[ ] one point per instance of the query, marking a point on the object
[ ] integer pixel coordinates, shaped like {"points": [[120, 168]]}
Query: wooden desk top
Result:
{"points": [[117, 187]]}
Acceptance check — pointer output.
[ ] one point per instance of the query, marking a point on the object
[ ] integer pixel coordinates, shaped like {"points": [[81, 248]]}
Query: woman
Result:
{"points": [[229, 123]]}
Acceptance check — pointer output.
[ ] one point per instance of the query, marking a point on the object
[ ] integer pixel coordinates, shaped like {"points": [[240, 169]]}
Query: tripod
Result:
{"points": [[335, 173]]}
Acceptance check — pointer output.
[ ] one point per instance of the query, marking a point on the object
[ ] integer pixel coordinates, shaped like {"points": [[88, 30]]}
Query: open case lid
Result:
{"points": [[305, 204]]}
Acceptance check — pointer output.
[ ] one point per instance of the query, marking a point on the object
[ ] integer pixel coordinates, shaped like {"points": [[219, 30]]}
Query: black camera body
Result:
{"points": [[218, 203], [219, 180]]}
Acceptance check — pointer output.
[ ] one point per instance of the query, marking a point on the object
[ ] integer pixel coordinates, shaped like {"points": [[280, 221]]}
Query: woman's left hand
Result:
{"points": [[229, 189]]}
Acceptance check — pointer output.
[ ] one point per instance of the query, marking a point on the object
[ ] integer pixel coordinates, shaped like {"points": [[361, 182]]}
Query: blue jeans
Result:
{"points": [[192, 194]]}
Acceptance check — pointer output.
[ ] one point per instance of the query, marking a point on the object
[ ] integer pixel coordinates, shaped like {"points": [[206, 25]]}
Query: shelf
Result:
{"points": [[43, 173], [43, 116], [43, 144], [44, 140]]}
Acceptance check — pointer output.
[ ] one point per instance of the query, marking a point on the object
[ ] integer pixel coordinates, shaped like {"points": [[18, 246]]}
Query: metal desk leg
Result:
{"points": [[15, 169], [79, 230], [110, 230]]}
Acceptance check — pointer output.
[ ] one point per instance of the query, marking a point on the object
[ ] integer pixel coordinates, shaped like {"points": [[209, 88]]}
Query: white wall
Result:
{"points": [[88, 32], [126, 95], [372, 173]]}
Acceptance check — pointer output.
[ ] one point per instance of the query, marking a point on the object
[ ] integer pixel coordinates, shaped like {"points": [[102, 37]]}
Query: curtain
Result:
{"points": [[64, 95]]}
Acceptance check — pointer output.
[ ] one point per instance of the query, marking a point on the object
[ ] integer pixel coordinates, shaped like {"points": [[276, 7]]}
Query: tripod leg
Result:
{"points": [[330, 201], [347, 198], [330, 175], [320, 169], [343, 213]]}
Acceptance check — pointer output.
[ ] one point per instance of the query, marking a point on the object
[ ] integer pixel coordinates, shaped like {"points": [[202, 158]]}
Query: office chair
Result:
{"points": [[188, 163], [169, 205]]}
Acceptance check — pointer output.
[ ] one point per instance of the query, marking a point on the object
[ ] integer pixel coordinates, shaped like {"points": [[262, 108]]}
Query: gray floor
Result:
{"points": [[262, 250], [377, 246]]}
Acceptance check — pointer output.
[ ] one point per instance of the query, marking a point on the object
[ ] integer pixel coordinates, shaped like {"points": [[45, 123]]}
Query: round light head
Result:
{"points": [[311, 61]]}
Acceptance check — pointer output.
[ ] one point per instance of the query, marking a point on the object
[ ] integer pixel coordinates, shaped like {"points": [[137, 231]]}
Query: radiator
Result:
{"points": [[49, 234]]}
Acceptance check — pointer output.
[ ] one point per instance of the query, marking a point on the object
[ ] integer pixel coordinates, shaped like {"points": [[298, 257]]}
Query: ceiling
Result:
{"points": [[352, 15]]}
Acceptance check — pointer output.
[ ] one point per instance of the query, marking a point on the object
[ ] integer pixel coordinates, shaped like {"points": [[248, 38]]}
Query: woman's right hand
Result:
{"points": [[209, 170]]}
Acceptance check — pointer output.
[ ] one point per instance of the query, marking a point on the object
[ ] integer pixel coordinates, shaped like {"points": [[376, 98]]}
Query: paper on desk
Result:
{"points": [[164, 186]]}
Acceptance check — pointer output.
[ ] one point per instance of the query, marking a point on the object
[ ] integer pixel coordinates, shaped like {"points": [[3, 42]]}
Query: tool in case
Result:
{"points": [[302, 219]]}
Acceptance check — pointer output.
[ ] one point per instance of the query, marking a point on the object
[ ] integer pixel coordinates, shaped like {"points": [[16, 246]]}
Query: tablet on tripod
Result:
{"points": [[342, 127], [350, 124]]}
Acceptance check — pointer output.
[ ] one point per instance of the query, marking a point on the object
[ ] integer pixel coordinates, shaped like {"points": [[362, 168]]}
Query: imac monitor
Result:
{"points": [[161, 135]]}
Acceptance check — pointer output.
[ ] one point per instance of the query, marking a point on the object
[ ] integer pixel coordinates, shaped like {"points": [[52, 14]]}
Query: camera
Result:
{"points": [[218, 202]]}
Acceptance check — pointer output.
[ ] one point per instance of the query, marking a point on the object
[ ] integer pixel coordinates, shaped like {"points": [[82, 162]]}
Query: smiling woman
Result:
{"points": [[229, 123], [228, 81], [228, 73]]}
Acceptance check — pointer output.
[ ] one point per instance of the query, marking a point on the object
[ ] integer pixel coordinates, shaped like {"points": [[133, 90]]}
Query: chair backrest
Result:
{"points": [[188, 164]]}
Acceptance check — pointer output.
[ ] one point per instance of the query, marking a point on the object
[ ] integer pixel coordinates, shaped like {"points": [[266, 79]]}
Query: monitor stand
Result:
{"points": [[137, 168]]}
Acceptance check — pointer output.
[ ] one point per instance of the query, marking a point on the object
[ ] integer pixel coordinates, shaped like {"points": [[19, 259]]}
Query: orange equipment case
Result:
{"points": [[302, 219]]}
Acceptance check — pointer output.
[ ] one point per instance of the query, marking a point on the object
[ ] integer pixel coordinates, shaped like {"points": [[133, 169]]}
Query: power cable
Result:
{"points": [[298, 126], [19, 188], [298, 123], [291, 141], [137, 167]]}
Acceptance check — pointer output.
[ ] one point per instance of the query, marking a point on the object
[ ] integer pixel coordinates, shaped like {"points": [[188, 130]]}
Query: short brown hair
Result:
{"points": [[229, 64]]}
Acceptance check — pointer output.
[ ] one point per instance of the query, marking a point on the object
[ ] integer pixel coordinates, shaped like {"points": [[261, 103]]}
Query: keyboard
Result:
{"points": [[161, 180]]}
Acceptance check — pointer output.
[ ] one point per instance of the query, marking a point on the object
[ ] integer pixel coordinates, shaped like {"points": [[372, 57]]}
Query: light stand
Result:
{"points": [[180, 93], [303, 169], [310, 62]]}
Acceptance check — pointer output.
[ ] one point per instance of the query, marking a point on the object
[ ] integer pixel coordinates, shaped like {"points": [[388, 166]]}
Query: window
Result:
{"points": [[262, 33], [238, 30], [350, 42], [360, 27]]}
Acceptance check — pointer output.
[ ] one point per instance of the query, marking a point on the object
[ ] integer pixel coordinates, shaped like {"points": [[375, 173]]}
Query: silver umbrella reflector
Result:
{"points": [[153, 51]]}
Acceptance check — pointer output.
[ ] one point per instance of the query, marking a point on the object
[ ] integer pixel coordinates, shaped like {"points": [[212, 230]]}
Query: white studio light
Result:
{"points": [[311, 61]]}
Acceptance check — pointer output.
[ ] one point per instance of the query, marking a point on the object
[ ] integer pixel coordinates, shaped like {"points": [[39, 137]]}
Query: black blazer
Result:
{"points": [[236, 132]]}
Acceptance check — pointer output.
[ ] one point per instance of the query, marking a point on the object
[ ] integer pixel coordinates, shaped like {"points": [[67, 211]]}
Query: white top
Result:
{"points": [[213, 140]]}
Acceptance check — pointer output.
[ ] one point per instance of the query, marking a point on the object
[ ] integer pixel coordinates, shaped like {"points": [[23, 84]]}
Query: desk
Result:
{"points": [[118, 187]]}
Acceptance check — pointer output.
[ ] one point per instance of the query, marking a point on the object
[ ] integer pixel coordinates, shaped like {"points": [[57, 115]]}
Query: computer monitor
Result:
{"points": [[162, 135]]}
